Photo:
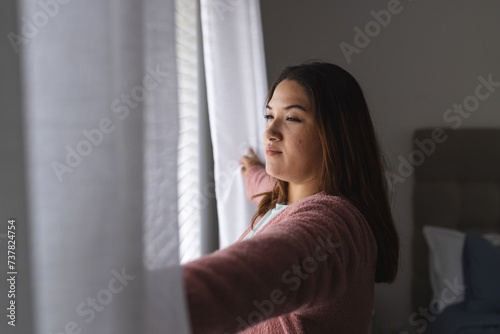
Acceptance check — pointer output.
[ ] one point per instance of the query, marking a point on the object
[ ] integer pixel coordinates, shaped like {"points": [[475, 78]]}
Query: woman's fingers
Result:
{"points": [[249, 160], [255, 157], [246, 161]]}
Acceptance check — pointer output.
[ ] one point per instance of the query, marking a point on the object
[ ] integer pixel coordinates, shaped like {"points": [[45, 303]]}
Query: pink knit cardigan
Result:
{"points": [[311, 269]]}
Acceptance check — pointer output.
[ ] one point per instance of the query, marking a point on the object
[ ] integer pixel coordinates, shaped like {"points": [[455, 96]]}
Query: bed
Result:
{"points": [[456, 208]]}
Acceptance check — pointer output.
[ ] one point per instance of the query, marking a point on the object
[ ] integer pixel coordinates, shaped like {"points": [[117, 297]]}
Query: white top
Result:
{"points": [[267, 217]]}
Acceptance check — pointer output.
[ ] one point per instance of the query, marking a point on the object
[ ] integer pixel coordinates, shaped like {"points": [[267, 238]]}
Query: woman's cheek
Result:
{"points": [[300, 145]]}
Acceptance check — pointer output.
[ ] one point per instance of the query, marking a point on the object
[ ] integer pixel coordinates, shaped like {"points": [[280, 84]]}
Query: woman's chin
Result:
{"points": [[271, 171], [275, 174]]}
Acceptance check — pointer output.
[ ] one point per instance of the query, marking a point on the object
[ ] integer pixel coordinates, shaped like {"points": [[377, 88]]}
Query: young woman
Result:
{"points": [[323, 233]]}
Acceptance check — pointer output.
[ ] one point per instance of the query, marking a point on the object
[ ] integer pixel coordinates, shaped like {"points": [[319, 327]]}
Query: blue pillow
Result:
{"points": [[481, 262]]}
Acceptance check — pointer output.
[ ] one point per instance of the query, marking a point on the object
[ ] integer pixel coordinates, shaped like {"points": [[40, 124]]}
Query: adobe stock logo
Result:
{"points": [[87, 309], [121, 107], [292, 277], [30, 28], [454, 115], [420, 320], [372, 29], [223, 6]]}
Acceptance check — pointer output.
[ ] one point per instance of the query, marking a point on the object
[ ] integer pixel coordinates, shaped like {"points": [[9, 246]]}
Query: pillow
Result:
{"points": [[481, 274], [445, 265], [493, 238]]}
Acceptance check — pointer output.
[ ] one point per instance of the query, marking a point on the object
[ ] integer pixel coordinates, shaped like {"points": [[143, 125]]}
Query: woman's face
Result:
{"points": [[293, 134]]}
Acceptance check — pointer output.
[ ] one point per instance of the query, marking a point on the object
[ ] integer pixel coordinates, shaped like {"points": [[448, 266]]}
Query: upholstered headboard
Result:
{"points": [[456, 186]]}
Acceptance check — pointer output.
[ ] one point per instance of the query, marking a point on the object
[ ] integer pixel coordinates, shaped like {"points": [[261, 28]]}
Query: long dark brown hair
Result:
{"points": [[353, 165]]}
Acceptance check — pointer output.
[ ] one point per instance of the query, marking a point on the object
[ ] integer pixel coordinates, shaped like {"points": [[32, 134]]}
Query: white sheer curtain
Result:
{"points": [[99, 95], [236, 89]]}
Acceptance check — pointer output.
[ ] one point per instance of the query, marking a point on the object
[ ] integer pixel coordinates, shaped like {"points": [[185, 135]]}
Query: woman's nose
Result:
{"points": [[272, 133]]}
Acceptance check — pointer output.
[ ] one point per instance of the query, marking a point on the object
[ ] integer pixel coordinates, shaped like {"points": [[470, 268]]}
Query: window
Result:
{"points": [[188, 150]]}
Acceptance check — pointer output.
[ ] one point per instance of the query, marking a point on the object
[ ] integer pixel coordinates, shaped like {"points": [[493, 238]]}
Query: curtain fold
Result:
{"points": [[100, 118], [236, 89], [164, 293], [13, 203]]}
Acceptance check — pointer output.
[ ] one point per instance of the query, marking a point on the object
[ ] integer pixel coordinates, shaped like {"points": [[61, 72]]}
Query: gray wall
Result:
{"points": [[425, 60]]}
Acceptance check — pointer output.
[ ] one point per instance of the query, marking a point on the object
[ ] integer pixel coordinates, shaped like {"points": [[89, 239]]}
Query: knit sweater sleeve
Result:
{"points": [[294, 263], [257, 181]]}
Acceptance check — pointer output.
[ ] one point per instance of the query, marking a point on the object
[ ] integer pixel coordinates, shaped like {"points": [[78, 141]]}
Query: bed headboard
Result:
{"points": [[457, 186]]}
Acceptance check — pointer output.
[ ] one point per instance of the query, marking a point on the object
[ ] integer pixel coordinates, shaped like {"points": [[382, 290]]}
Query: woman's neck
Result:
{"points": [[296, 192]]}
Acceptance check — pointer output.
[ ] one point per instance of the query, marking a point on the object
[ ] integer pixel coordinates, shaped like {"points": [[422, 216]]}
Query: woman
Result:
{"points": [[323, 233]]}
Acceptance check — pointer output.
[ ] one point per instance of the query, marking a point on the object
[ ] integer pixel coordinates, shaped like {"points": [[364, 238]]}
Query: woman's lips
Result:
{"points": [[271, 152]]}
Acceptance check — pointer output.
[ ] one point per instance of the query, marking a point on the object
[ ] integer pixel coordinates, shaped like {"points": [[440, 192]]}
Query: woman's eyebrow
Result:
{"points": [[293, 106]]}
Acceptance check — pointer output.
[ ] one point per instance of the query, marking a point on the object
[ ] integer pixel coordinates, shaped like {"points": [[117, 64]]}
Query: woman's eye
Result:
{"points": [[292, 119]]}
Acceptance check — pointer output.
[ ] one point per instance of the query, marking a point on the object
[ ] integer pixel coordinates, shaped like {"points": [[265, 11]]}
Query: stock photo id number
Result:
{"points": [[11, 272]]}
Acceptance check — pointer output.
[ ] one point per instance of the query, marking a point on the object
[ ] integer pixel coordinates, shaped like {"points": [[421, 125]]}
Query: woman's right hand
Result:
{"points": [[249, 160]]}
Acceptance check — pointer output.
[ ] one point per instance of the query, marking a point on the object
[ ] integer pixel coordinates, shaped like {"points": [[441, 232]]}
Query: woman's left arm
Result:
{"points": [[270, 273]]}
